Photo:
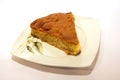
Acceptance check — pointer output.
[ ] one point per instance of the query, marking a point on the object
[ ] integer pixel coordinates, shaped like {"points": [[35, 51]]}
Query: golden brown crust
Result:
{"points": [[58, 24]]}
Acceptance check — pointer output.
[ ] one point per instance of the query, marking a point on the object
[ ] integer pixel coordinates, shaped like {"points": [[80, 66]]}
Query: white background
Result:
{"points": [[15, 15]]}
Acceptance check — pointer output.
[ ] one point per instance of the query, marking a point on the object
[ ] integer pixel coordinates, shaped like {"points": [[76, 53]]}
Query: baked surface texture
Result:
{"points": [[57, 29]]}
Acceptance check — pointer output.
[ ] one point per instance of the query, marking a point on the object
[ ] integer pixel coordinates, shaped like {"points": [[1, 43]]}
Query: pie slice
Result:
{"points": [[57, 29]]}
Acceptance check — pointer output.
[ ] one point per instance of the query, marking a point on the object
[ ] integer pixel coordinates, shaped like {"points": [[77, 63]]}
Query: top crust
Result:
{"points": [[58, 24]]}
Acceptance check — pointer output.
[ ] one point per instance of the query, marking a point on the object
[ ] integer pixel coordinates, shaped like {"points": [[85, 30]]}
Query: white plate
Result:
{"points": [[88, 32]]}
